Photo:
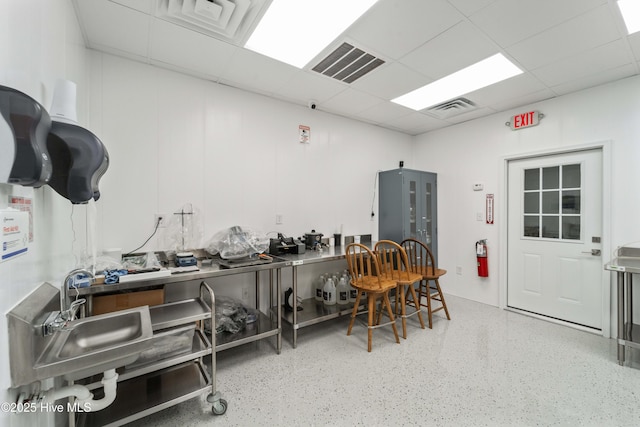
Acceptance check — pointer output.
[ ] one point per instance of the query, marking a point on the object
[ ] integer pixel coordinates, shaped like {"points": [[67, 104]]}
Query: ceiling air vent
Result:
{"points": [[224, 19], [347, 63], [451, 108]]}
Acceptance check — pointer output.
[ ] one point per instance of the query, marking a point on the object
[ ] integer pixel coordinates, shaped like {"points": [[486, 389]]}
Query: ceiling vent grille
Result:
{"points": [[451, 108], [347, 63], [224, 19]]}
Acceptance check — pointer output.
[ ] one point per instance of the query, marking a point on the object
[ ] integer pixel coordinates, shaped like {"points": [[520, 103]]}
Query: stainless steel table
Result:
{"points": [[625, 265]]}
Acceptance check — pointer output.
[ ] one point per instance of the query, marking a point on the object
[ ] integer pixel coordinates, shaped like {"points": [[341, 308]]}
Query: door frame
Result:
{"points": [[605, 147]]}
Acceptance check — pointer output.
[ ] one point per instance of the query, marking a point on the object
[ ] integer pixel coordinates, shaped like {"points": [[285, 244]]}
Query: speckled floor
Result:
{"points": [[485, 367]]}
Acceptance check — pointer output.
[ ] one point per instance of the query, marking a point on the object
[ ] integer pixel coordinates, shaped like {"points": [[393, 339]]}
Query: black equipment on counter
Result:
{"points": [[313, 239], [285, 245]]}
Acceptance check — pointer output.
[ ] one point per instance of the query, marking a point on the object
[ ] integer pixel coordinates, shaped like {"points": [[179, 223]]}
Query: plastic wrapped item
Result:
{"points": [[183, 230], [231, 316], [237, 242], [171, 342], [148, 260]]}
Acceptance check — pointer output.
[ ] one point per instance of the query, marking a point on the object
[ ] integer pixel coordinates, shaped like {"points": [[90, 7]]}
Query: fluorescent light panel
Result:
{"points": [[295, 31], [630, 10], [484, 73]]}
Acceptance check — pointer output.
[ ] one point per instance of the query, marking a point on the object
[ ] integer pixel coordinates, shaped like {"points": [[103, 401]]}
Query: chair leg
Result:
{"points": [[393, 320], [354, 312], [371, 305], [403, 308], [429, 309], [412, 291], [444, 304]]}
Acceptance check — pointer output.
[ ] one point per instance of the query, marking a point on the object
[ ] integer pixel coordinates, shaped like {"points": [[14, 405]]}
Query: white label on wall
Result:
{"points": [[15, 233]]}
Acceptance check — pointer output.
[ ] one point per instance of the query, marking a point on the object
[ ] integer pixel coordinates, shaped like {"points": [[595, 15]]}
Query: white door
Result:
{"points": [[554, 234]]}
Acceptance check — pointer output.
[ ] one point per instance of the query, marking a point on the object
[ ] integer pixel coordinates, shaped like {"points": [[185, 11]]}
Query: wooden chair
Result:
{"points": [[422, 262], [394, 265], [364, 268]]}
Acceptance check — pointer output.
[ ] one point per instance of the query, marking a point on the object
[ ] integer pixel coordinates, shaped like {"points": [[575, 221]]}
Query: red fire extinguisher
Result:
{"points": [[481, 256]]}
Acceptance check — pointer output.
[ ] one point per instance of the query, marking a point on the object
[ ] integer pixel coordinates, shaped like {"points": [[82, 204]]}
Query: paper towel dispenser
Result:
{"points": [[24, 125], [79, 160]]}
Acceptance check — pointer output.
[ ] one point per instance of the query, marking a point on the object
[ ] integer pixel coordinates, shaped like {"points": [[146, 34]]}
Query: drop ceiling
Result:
{"points": [[562, 46]]}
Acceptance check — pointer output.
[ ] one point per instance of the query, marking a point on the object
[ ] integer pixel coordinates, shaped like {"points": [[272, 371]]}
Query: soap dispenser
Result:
{"points": [[79, 158], [24, 125]]}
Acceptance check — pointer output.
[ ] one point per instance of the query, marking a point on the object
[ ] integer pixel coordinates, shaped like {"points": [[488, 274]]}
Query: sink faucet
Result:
{"points": [[65, 307]]}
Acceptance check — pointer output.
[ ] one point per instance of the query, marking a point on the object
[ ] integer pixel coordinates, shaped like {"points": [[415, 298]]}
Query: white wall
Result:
{"points": [[40, 41], [475, 152], [235, 155]]}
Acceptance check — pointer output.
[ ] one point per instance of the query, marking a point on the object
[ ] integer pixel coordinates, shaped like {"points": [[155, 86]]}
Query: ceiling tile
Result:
{"points": [[634, 42], [145, 6], [417, 122], [595, 28], [514, 87], [509, 22], [350, 101], [468, 7], [101, 18], [593, 61], [188, 49], [531, 98], [396, 27], [307, 85], [384, 112], [252, 70], [456, 48], [597, 79], [390, 81], [480, 112]]}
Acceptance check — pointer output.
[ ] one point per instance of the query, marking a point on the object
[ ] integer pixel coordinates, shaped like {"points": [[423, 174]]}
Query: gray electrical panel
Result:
{"points": [[408, 207]]}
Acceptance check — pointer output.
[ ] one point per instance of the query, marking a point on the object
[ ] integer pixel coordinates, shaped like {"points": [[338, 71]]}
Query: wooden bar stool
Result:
{"points": [[422, 262], [394, 265], [365, 277]]}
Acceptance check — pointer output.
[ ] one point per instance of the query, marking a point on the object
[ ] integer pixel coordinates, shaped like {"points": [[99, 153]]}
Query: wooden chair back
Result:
{"points": [[394, 263], [420, 258], [363, 266]]}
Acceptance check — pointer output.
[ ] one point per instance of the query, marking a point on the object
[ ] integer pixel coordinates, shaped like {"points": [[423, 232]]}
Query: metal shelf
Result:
{"points": [[315, 312], [263, 327], [178, 313], [151, 393]]}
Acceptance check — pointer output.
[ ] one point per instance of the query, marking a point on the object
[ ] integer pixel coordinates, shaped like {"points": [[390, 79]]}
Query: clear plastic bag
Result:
{"points": [[148, 260], [231, 316], [237, 242]]}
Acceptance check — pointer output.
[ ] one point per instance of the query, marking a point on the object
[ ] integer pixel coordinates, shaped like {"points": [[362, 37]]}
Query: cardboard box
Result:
{"points": [[116, 302]]}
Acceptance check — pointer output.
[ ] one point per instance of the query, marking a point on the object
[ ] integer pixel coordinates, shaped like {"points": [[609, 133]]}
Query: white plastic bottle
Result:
{"points": [[329, 292], [342, 292], [320, 282], [353, 293]]}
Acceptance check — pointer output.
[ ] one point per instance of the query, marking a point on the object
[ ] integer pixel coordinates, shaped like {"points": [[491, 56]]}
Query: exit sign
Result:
{"points": [[524, 120]]}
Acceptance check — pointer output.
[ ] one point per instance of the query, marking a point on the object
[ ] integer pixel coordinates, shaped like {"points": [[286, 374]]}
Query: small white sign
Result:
{"points": [[15, 233], [305, 134]]}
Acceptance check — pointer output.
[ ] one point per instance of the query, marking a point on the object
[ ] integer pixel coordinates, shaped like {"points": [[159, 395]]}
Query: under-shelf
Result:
{"points": [[263, 327], [315, 312], [151, 393], [178, 313]]}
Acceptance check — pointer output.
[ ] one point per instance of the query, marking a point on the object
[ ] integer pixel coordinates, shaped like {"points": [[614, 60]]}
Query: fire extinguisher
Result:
{"points": [[481, 256]]}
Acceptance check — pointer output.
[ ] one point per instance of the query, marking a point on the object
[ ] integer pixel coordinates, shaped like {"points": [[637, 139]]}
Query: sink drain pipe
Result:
{"points": [[84, 398]]}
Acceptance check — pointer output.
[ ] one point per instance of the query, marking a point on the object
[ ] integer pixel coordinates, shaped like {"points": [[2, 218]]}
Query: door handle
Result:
{"points": [[594, 252]]}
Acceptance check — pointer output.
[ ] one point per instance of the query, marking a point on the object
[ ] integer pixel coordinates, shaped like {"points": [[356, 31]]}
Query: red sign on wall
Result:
{"points": [[524, 120]]}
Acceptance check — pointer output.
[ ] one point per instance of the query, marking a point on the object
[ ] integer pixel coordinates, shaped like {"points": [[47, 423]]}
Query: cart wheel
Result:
{"points": [[220, 407]]}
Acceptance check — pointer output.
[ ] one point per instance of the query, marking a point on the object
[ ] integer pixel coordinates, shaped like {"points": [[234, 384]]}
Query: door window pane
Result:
{"points": [[571, 202], [551, 178], [550, 202], [532, 179], [571, 227], [532, 226], [412, 209], [532, 203], [571, 176], [551, 227]]}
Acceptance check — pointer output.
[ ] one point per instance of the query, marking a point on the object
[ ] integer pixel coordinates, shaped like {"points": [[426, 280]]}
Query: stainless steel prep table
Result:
{"points": [[211, 272], [312, 312], [625, 265]]}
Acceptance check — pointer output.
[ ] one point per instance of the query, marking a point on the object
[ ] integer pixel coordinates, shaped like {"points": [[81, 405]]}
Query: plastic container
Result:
{"points": [[329, 292], [342, 292], [320, 282]]}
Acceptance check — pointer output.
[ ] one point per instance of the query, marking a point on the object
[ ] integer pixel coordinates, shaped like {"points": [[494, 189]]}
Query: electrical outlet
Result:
{"points": [[459, 270], [160, 220], [245, 293], [278, 219]]}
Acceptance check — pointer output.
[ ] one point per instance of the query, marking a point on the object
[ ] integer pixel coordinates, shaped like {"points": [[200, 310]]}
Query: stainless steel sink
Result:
{"points": [[94, 344]]}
